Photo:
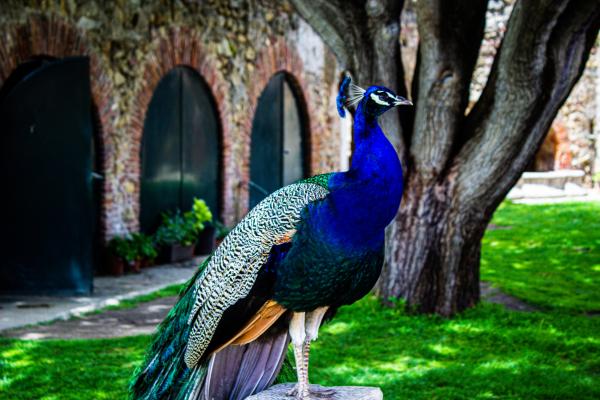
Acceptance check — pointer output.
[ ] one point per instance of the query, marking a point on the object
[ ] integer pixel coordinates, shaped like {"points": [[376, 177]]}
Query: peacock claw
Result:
{"points": [[313, 392], [298, 394]]}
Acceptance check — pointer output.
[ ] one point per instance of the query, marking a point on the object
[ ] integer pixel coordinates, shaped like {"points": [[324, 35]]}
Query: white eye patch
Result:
{"points": [[377, 99]]}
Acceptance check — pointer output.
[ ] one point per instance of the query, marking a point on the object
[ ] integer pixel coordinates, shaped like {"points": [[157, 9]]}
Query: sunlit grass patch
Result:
{"points": [[487, 352], [68, 369], [549, 257]]}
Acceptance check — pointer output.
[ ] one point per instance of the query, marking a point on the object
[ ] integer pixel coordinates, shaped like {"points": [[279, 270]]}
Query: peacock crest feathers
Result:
{"points": [[348, 96]]}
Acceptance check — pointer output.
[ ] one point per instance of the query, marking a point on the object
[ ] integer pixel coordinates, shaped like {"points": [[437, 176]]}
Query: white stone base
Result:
{"points": [[279, 392]]}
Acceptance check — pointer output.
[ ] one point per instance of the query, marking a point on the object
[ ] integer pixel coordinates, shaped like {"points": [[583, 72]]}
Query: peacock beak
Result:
{"points": [[401, 101]]}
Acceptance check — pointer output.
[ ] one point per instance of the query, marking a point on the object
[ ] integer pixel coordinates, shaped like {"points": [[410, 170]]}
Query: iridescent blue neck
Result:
{"points": [[368, 195]]}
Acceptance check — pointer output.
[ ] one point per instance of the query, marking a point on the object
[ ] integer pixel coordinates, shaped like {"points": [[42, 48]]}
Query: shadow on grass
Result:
{"points": [[73, 369], [550, 257], [485, 353]]}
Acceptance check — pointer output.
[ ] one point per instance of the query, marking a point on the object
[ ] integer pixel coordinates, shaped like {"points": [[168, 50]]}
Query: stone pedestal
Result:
{"points": [[279, 392]]}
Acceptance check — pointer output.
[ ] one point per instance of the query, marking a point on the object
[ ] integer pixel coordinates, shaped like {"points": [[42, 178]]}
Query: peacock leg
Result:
{"points": [[312, 324], [298, 336]]}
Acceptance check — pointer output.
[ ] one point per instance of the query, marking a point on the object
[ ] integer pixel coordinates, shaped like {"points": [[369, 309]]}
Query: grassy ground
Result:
{"points": [[68, 369], [485, 353], [549, 255]]}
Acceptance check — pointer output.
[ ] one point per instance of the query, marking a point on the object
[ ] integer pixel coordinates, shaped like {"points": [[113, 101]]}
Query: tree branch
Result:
{"points": [[364, 35], [340, 24], [450, 34], [541, 58]]}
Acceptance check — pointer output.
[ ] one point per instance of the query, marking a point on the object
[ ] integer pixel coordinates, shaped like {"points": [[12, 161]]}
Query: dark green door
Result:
{"points": [[180, 148], [277, 147], [45, 169]]}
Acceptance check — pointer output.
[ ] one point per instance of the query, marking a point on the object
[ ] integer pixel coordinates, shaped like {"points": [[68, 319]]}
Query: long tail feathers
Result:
{"points": [[164, 375], [237, 372], [233, 373]]}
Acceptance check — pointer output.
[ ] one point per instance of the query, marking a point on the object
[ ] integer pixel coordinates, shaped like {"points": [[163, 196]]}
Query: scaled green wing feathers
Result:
{"points": [[234, 266]]}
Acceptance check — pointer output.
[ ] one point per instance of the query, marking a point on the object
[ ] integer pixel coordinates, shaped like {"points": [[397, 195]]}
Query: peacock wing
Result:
{"points": [[234, 267]]}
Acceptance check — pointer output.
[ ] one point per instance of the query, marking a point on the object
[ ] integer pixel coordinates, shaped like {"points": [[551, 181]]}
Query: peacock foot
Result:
{"points": [[311, 392], [299, 392]]}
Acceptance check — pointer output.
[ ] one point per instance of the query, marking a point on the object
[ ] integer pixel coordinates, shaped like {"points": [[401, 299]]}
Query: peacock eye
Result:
{"points": [[379, 99]]}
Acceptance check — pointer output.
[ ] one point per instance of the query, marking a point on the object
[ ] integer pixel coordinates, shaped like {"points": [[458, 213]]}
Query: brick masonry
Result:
{"points": [[235, 47]]}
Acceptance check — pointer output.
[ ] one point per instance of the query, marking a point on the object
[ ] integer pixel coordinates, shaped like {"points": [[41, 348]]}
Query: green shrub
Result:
{"points": [[123, 247], [177, 228], [183, 228], [144, 246], [135, 247], [200, 213]]}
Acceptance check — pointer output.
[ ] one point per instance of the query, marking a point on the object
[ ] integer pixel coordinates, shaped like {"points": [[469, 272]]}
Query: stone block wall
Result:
{"points": [[237, 46]]}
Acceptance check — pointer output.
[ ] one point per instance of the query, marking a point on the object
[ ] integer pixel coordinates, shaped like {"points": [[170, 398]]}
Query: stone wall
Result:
{"points": [[235, 45]]}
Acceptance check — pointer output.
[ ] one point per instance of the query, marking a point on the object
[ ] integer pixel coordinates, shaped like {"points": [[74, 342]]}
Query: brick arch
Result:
{"points": [[277, 57], [54, 36], [180, 47]]}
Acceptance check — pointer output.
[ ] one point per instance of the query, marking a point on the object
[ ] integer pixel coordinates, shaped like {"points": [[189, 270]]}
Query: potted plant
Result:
{"points": [[122, 253], [202, 218], [177, 235], [115, 264], [145, 250]]}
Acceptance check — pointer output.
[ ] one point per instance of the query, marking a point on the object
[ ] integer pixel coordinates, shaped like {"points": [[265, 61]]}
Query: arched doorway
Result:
{"points": [[277, 154], [180, 147], [46, 167]]}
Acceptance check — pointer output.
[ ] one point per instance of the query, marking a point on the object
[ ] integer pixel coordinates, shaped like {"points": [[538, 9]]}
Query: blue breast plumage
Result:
{"points": [[336, 254]]}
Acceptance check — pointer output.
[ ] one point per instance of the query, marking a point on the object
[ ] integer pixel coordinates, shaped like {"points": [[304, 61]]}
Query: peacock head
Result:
{"points": [[374, 101]]}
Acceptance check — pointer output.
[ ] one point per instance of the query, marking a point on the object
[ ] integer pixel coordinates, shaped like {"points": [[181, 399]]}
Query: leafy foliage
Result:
{"points": [[201, 214], [177, 228], [183, 228], [124, 248], [144, 246], [137, 246]]}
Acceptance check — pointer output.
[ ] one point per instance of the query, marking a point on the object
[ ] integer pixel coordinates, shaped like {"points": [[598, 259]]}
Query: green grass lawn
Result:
{"points": [[486, 353], [549, 257]]}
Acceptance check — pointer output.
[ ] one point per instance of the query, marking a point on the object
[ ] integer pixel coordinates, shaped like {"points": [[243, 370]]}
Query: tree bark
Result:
{"points": [[458, 167]]}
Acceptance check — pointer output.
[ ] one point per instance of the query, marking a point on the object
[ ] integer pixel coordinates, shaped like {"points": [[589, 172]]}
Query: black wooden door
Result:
{"points": [[180, 148], [277, 146], [45, 169]]}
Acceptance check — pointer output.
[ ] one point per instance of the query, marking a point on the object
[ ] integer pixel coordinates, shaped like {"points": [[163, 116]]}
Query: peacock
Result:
{"points": [[297, 256]]}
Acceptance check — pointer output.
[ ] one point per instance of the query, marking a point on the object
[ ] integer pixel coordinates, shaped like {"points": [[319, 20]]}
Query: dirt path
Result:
{"points": [[143, 319], [139, 320], [495, 295]]}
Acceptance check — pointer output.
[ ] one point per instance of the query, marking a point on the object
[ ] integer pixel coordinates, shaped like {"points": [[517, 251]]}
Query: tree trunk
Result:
{"points": [[458, 165], [436, 247]]}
